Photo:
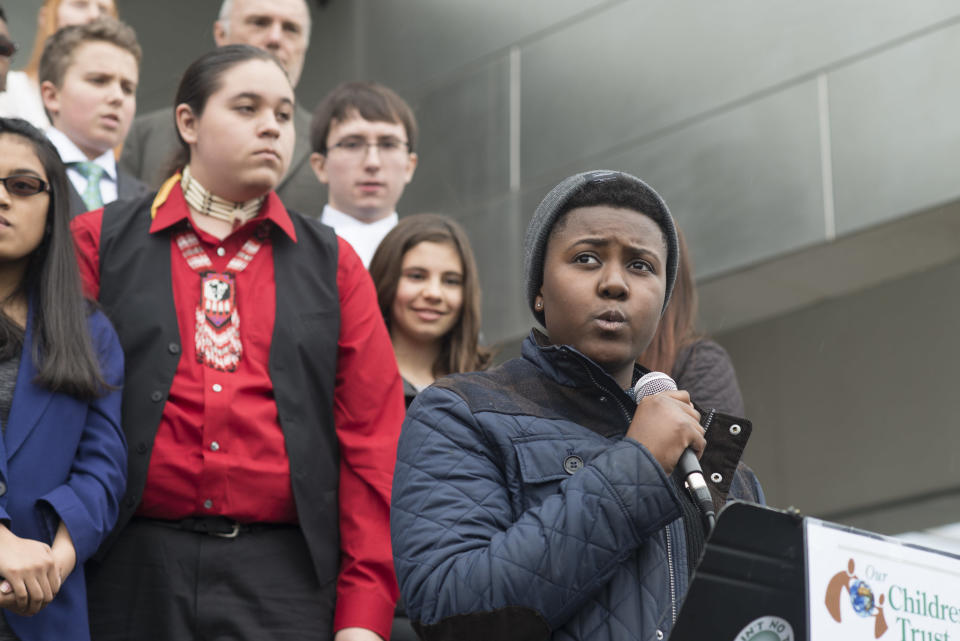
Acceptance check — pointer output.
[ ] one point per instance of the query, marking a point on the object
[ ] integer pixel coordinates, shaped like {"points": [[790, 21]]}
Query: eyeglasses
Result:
{"points": [[7, 47], [24, 185], [357, 148]]}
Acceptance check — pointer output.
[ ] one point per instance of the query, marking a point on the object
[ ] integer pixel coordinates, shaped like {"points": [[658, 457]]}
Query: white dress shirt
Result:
{"points": [[70, 153], [363, 237]]}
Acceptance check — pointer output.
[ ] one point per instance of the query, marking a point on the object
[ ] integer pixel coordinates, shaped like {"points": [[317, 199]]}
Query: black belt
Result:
{"points": [[215, 525]]}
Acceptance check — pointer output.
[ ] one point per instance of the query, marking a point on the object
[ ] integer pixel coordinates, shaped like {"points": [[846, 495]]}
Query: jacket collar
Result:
{"points": [[567, 366]]}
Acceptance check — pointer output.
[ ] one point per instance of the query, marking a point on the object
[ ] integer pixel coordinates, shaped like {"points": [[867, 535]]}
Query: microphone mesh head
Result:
{"points": [[653, 383]]}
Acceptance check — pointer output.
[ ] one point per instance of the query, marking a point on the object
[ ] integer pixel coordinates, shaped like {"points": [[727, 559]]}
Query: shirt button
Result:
{"points": [[208, 504], [3, 488], [214, 446], [221, 251], [217, 387]]}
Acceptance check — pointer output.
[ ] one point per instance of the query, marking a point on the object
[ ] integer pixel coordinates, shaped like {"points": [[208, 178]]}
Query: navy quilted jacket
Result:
{"points": [[520, 511]]}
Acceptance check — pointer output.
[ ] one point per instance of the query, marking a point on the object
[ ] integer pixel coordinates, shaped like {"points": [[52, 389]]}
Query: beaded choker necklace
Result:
{"points": [[203, 201]]}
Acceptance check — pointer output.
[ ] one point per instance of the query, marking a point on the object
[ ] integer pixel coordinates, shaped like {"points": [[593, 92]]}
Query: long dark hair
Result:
{"points": [[201, 80], [62, 347], [677, 325], [460, 350]]}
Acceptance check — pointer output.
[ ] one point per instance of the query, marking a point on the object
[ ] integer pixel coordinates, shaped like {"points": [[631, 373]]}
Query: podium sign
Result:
{"points": [[865, 586], [770, 575]]}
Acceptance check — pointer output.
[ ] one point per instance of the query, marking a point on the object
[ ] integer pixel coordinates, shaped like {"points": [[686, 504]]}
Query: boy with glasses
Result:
{"points": [[363, 138]]}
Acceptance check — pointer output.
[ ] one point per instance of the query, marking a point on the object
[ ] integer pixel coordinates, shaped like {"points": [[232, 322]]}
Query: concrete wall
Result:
{"points": [[853, 404]]}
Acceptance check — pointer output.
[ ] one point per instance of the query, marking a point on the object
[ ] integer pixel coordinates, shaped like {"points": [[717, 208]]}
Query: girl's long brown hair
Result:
{"points": [[677, 325], [461, 351]]}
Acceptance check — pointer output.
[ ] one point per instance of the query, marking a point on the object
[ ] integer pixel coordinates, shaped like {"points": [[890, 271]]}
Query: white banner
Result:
{"points": [[863, 586]]}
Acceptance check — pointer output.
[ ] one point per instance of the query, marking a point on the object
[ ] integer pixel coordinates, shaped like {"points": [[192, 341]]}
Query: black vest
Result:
{"points": [[136, 293]]}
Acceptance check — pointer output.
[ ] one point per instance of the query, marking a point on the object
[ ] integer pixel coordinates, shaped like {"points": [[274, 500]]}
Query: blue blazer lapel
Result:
{"points": [[29, 400]]}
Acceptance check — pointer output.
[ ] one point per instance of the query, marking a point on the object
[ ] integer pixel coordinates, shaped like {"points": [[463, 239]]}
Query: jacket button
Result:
{"points": [[735, 429], [173, 348], [156, 396], [716, 477], [3, 488], [131, 501], [141, 448], [572, 464], [659, 634]]}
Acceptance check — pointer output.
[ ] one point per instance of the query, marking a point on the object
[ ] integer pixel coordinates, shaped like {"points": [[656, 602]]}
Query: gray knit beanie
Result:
{"points": [[554, 204]]}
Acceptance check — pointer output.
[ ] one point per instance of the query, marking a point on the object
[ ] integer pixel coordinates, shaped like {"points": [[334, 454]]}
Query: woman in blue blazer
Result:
{"points": [[62, 452]]}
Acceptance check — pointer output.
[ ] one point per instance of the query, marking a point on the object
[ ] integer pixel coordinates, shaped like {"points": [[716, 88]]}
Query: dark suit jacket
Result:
{"points": [[152, 144], [128, 188], [64, 459]]}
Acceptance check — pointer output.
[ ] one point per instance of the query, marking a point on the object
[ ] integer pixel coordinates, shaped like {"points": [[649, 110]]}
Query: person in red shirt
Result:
{"points": [[262, 402]]}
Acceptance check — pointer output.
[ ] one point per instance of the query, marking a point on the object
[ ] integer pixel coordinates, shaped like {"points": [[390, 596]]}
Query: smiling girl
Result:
{"points": [[429, 294]]}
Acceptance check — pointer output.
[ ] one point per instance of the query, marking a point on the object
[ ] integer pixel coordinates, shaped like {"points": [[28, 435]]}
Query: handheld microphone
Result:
{"points": [[688, 465]]}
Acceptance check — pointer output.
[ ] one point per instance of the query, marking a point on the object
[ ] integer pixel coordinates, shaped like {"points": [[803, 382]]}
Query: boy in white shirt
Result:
{"points": [[88, 80], [363, 137]]}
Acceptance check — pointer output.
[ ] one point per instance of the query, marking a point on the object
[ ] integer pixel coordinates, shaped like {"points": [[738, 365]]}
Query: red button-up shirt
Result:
{"points": [[219, 449]]}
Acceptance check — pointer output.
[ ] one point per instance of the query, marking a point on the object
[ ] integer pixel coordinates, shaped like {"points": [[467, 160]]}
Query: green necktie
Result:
{"points": [[93, 173]]}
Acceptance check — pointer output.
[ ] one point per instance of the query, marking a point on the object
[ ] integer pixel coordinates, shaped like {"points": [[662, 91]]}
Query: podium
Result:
{"points": [[771, 575]]}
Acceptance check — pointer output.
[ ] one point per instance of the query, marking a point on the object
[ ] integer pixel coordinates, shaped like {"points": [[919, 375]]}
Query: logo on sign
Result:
{"points": [[863, 600]]}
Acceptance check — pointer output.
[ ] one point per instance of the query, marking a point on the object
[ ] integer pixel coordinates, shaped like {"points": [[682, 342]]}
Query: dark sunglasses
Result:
{"points": [[24, 185], [7, 47]]}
